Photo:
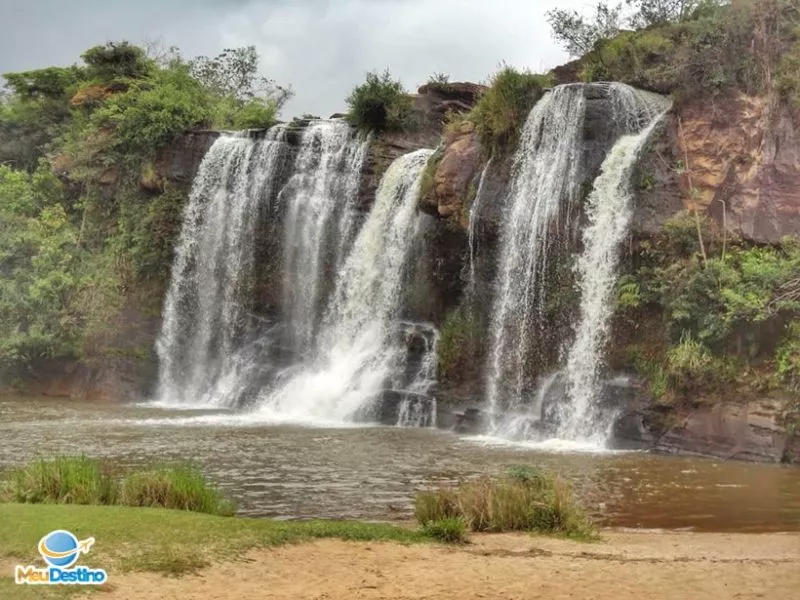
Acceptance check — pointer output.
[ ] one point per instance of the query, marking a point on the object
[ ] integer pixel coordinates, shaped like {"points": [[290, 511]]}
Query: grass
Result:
{"points": [[524, 499], [170, 542], [80, 480], [449, 531]]}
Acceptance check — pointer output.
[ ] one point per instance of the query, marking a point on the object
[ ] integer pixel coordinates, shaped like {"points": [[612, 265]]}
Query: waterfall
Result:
{"points": [[319, 221], [206, 312], [357, 348], [545, 185], [609, 213], [473, 223]]}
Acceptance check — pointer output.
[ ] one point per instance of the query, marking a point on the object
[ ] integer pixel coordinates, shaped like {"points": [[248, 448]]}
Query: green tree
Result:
{"points": [[234, 73]]}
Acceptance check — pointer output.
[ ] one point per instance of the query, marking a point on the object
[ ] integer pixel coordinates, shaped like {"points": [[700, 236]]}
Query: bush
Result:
{"points": [[150, 115], [256, 114], [502, 110], [181, 487], [522, 500], [690, 365], [80, 480], [380, 103], [713, 49], [117, 60], [449, 531]]}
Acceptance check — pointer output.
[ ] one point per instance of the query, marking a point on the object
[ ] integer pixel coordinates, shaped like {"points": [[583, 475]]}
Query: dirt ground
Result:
{"points": [[644, 566]]}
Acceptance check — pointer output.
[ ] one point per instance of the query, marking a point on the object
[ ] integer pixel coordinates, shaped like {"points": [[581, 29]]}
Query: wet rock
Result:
{"points": [[472, 421], [748, 431], [179, 161]]}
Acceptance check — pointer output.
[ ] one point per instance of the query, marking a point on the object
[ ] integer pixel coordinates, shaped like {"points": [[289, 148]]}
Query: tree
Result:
{"points": [[658, 12], [234, 73], [117, 60], [579, 35]]}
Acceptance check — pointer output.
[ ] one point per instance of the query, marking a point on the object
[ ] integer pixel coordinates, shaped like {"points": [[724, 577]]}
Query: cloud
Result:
{"points": [[322, 48]]}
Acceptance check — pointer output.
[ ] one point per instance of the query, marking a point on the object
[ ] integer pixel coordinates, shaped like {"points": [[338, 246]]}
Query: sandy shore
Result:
{"points": [[651, 566]]}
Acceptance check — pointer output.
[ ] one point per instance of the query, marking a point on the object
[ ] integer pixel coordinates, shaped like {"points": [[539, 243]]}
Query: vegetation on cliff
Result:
{"points": [[87, 223], [379, 104], [710, 317], [688, 48]]}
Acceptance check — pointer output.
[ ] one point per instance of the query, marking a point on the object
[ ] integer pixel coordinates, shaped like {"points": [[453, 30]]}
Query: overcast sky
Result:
{"points": [[322, 48]]}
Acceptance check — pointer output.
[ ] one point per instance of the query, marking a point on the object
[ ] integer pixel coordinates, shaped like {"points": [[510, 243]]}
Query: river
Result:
{"points": [[287, 471]]}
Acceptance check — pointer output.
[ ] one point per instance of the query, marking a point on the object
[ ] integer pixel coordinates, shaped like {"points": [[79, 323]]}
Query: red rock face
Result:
{"points": [[457, 171], [743, 157]]}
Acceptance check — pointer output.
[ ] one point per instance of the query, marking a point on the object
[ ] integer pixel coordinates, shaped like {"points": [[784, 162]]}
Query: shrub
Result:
{"points": [[180, 487], [503, 109], [380, 103], [690, 365], [449, 531], [522, 500]]}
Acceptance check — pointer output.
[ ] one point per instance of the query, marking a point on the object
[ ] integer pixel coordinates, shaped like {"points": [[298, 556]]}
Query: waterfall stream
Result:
{"points": [[545, 184], [319, 221], [609, 213], [345, 351], [200, 349], [357, 349]]}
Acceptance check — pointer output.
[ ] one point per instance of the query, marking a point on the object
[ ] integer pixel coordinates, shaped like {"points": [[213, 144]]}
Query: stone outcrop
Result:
{"points": [[749, 431], [454, 180], [738, 158]]}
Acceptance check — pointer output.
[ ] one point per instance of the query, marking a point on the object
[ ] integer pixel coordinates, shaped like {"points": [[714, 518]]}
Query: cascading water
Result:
{"points": [[546, 184], [609, 213], [473, 223], [202, 347], [357, 349], [319, 221]]}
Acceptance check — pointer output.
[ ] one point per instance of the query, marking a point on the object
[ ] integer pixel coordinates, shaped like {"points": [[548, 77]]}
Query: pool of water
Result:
{"points": [[290, 471]]}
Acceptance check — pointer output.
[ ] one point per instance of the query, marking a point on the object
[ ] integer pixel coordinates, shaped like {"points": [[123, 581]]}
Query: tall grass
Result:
{"points": [[80, 480], [64, 480], [522, 500], [180, 487]]}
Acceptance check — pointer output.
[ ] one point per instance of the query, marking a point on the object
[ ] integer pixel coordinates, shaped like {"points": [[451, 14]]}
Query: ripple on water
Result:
{"points": [[283, 470]]}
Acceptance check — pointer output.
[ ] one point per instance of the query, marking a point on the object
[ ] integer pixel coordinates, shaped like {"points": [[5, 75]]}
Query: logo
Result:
{"points": [[61, 550]]}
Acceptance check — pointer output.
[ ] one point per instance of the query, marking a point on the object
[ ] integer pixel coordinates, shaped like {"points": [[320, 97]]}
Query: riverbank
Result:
{"points": [[159, 554]]}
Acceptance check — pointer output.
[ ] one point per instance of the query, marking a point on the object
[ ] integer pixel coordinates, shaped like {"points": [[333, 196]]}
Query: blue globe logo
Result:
{"points": [[59, 549]]}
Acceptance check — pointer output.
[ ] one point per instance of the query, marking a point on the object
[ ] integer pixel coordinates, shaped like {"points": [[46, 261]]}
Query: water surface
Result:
{"points": [[288, 471]]}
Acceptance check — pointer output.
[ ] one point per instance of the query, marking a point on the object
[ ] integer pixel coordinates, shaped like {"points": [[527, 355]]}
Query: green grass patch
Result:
{"points": [[169, 541], [80, 480], [524, 499]]}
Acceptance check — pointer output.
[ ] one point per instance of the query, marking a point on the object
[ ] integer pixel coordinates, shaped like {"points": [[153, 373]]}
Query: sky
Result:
{"points": [[321, 48]]}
